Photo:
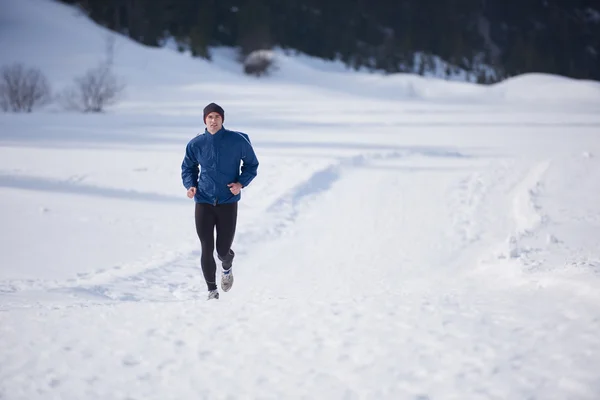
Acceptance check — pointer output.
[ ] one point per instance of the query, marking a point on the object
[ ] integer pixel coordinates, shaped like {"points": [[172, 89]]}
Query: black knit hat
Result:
{"points": [[212, 107]]}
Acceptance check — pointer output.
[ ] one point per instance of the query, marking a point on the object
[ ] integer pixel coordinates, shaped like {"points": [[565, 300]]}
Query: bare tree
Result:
{"points": [[22, 89], [93, 91]]}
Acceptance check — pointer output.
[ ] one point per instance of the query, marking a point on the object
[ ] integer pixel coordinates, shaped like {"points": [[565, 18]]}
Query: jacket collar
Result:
{"points": [[218, 133]]}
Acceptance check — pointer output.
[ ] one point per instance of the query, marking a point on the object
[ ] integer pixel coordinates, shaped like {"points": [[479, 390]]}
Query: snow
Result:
{"points": [[406, 237]]}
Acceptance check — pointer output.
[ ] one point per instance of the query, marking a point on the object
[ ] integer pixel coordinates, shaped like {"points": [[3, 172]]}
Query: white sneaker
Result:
{"points": [[226, 279], [213, 294]]}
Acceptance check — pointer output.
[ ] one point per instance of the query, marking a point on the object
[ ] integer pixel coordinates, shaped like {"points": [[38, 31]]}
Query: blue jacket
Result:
{"points": [[219, 157]]}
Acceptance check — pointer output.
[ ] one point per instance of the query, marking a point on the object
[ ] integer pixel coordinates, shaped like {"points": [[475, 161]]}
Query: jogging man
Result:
{"points": [[217, 155]]}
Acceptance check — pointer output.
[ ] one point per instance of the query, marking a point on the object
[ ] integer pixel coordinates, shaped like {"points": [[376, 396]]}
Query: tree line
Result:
{"points": [[491, 39]]}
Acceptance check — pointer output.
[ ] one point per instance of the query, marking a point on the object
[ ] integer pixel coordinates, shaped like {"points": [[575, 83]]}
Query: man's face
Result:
{"points": [[214, 122]]}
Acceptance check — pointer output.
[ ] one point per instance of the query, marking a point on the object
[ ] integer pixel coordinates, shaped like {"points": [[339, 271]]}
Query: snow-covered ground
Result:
{"points": [[406, 238]]}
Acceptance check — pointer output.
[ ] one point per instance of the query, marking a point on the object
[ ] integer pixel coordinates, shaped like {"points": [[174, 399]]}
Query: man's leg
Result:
{"points": [[226, 221], [205, 227]]}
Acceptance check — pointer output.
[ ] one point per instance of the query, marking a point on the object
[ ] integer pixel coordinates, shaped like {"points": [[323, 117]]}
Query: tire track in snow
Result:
{"points": [[284, 211], [545, 247], [526, 212], [516, 235]]}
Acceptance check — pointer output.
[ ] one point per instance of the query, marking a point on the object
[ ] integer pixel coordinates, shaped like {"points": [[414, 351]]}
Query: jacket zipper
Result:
{"points": [[216, 153]]}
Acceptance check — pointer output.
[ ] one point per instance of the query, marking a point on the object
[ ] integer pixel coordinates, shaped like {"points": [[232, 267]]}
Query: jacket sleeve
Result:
{"points": [[189, 168], [249, 164]]}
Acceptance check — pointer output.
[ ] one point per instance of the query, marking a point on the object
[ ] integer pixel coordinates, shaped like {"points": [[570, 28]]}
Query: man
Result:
{"points": [[219, 153]]}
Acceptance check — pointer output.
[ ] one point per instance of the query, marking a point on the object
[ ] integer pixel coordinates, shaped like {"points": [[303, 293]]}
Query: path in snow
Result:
{"points": [[356, 292]]}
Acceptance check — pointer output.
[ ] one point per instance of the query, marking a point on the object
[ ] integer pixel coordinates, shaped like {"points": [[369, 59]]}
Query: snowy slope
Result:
{"points": [[77, 44], [406, 238]]}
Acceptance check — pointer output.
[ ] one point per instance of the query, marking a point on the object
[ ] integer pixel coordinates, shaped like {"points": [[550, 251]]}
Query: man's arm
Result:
{"points": [[249, 164], [189, 168]]}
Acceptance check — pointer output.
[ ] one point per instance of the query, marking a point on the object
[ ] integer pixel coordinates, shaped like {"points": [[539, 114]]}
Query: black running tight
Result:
{"points": [[223, 217]]}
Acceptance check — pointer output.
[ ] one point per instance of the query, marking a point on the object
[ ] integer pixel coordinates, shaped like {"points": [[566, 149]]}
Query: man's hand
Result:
{"points": [[191, 192], [235, 188]]}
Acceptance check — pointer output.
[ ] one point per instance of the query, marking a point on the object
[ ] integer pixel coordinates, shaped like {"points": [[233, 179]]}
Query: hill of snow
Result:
{"points": [[64, 43], [405, 238]]}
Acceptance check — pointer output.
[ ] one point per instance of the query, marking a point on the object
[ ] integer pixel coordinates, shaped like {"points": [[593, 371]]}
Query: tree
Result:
{"points": [[555, 36], [253, 26], [93, 91], [22, 89]]}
